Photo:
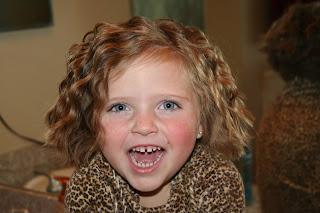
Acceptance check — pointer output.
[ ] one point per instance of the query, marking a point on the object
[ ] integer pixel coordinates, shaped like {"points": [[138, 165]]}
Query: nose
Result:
{"points": [[144, 124]]}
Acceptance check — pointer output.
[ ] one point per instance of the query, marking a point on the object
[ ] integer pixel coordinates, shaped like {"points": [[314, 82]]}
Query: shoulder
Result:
{"points": [[218, 181], [85, 175], [293, 116], [203, 162], [81, 192]]}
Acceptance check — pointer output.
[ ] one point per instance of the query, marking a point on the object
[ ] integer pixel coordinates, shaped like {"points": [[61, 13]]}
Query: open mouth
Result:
{"points": [[145, 157]]}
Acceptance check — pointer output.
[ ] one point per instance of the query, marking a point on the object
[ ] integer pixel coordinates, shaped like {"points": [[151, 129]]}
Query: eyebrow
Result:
{"points": [[114, 99], [161, 96], [168, 96]]}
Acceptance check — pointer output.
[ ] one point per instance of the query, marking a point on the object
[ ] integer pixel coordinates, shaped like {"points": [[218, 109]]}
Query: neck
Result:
{"points": [[155, 198]]}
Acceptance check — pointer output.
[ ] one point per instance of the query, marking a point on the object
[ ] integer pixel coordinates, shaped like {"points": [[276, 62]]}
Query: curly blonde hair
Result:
{"points": [[74, 121]]}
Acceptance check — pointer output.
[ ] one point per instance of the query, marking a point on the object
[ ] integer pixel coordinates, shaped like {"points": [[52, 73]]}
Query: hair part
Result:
{"points": [[108, 50]]}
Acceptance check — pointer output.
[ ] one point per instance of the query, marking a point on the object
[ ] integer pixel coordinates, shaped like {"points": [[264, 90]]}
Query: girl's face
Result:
{"points": [[151, 123]]}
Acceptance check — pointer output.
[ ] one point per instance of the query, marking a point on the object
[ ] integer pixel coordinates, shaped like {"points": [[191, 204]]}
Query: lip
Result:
{"points": [[146, 170]]}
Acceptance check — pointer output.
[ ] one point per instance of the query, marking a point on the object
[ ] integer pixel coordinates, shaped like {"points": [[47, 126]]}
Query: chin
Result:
{"points": [[145, 187]]}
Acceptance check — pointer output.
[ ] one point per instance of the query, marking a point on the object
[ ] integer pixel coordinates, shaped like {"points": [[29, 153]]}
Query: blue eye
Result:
{"points": [[168, 105], [119, 108]]}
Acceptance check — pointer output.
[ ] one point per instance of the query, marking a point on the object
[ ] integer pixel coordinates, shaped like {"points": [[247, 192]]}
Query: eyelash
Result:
{"points": [[115, 105], [176, 106]]}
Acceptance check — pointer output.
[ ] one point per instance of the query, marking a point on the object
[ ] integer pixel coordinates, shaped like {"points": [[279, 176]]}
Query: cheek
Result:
{"points": [[113, 131], [182, 132]]}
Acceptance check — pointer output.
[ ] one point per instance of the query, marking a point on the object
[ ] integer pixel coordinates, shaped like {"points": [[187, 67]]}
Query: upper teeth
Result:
{"points": [[146, 149], [145, 165]]}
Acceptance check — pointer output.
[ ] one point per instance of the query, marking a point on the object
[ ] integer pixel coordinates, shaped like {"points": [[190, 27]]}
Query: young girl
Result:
{"points": [[151, 116]]}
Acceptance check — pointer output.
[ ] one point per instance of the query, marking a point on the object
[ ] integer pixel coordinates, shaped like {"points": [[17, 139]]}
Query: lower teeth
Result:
{"points": [[145, 165]]}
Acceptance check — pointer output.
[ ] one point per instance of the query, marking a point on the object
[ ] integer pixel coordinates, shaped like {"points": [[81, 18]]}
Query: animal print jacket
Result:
{"points": [[288, 150], [204, 184]]}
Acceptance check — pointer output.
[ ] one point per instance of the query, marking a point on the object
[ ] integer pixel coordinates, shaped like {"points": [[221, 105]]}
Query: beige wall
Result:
{"points": [[237, 27], [33, 63]]}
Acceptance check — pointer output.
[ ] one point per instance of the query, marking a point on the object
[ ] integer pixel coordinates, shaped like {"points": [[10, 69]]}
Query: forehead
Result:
{"points": [[144, 79], [154, 57], [164, 74]]}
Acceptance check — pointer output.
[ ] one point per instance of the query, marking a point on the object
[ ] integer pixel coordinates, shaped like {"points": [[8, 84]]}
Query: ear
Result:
{"points": [[200, 131]]}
